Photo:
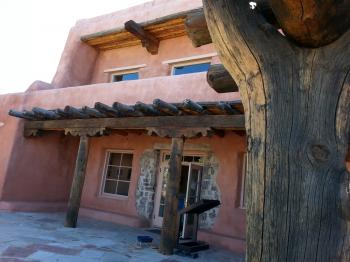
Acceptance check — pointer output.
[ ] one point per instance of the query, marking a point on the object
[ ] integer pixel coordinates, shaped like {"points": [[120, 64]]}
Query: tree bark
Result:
{"points": [[78, 183], [296, 103], [170, 228]]}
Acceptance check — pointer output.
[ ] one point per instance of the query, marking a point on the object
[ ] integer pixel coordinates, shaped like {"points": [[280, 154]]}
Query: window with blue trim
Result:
{"points": [[189, 69], [125, 77]]}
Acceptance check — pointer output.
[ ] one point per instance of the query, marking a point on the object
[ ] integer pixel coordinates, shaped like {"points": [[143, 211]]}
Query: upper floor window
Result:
{"points": [[124, 73], [117, 173], [124, 77], [190, 68]]}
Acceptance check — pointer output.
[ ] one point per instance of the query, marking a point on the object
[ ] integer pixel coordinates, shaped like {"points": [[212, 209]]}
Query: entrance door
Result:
{"points": [[193, 192], [189, 192]]}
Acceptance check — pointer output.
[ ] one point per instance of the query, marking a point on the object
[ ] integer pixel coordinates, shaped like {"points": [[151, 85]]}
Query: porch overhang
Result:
{"points": [[177, 121], [205, 117]]}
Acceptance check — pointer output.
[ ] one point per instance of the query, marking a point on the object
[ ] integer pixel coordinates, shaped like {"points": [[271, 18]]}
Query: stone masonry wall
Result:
{"points": [[146, 184], [209, 190], [145, 192]]}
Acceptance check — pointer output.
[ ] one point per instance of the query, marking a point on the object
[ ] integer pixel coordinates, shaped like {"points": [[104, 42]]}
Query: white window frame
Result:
{"points": [[104, 174], [195, 62], [242, 202], [117, 71], [190, 60]]}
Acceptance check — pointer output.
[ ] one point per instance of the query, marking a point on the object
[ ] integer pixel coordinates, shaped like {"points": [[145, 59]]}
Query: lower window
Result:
{"points": [[117, 174]]}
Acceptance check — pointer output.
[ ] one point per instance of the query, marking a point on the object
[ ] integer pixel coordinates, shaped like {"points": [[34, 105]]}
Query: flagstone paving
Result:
{"points": [[41, 237]]}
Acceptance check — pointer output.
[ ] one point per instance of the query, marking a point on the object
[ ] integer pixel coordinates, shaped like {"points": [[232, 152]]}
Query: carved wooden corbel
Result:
{"points": [[92, 131], [31, 132], [178, 133]]}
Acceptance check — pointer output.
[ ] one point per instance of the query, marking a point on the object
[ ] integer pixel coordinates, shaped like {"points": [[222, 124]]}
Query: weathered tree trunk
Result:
{"points": [[78, 183], [296, 103]]}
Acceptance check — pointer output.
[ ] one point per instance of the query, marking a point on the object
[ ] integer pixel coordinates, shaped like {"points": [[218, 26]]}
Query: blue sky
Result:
{"points": [[34, 33]]}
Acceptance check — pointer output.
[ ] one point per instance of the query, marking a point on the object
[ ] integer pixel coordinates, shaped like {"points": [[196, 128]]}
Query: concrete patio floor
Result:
{"points": [[42, 237]]}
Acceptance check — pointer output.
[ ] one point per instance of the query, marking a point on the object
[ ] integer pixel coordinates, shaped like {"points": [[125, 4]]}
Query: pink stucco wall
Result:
{"points": [[77, 64], [170, 49], [230, 223]]}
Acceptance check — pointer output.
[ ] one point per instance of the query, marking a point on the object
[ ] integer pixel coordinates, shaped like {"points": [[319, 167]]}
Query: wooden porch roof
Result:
{"points": [[224, 115], [162, 28]]}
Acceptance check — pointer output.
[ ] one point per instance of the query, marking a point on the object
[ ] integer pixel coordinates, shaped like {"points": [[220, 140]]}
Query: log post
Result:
{"points": [[78, 182], [170, 227]]}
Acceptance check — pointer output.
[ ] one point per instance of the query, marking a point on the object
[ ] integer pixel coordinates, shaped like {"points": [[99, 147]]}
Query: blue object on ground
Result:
{"points": [[144, 239]]}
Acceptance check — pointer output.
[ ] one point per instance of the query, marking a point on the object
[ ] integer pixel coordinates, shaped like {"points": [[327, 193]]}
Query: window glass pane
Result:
{"points": [[125, 173], [125, 77], [131, 76], [198, 159], [117, 78], [114, 159], [110, 186], [123, 188], [188, 158], [188, 69], [127, 160], [112, 172]]}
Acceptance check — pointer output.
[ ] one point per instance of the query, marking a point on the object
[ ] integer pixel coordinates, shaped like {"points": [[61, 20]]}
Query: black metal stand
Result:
{"points": [[189, 248]]}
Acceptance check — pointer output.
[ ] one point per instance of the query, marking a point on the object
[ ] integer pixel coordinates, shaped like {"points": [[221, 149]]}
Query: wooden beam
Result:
{"points": [[148, 41], [73, 112], [125, 110], [215, 121], [220, 79], [197, 29], [227, 108], [192, 107], [78, 183], [106, 110], [170, 228], [19, 114], [43, 113], [165, 107], [148, 110], [92, 112]]}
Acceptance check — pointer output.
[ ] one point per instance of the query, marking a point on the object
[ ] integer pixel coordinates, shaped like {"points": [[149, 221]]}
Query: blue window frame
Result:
{"points": [[189, 69], [125, 77]]}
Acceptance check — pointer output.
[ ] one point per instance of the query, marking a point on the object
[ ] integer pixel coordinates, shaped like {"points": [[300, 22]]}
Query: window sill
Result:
{"points": [[115, 197]]}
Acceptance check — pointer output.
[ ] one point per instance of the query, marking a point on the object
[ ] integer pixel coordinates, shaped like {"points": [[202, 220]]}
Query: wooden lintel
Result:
{"points": [[78, 183], [170, 228], [215, 121], [148, 41], [220, 79]]}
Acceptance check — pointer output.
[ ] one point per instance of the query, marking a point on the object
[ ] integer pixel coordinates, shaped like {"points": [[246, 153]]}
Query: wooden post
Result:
{"points": [[78, 182], [170, 228]]}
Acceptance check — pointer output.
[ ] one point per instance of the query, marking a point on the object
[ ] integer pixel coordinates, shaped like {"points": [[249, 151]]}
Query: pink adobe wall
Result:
{"points": [[170, 49], [22, 169], [8, 132], [229, 227], [77, 64]]}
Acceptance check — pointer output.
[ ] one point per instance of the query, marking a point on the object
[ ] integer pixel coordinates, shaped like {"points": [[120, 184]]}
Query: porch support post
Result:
{"points": [[170, 226], [78, 182]]}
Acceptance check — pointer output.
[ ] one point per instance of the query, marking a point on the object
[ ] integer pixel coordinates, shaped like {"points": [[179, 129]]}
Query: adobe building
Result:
{"points": [[127, 96]]}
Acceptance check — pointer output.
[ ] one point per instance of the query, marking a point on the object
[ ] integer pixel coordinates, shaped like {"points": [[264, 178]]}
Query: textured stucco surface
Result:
{"points": [[210, 190], [146, 183]]}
